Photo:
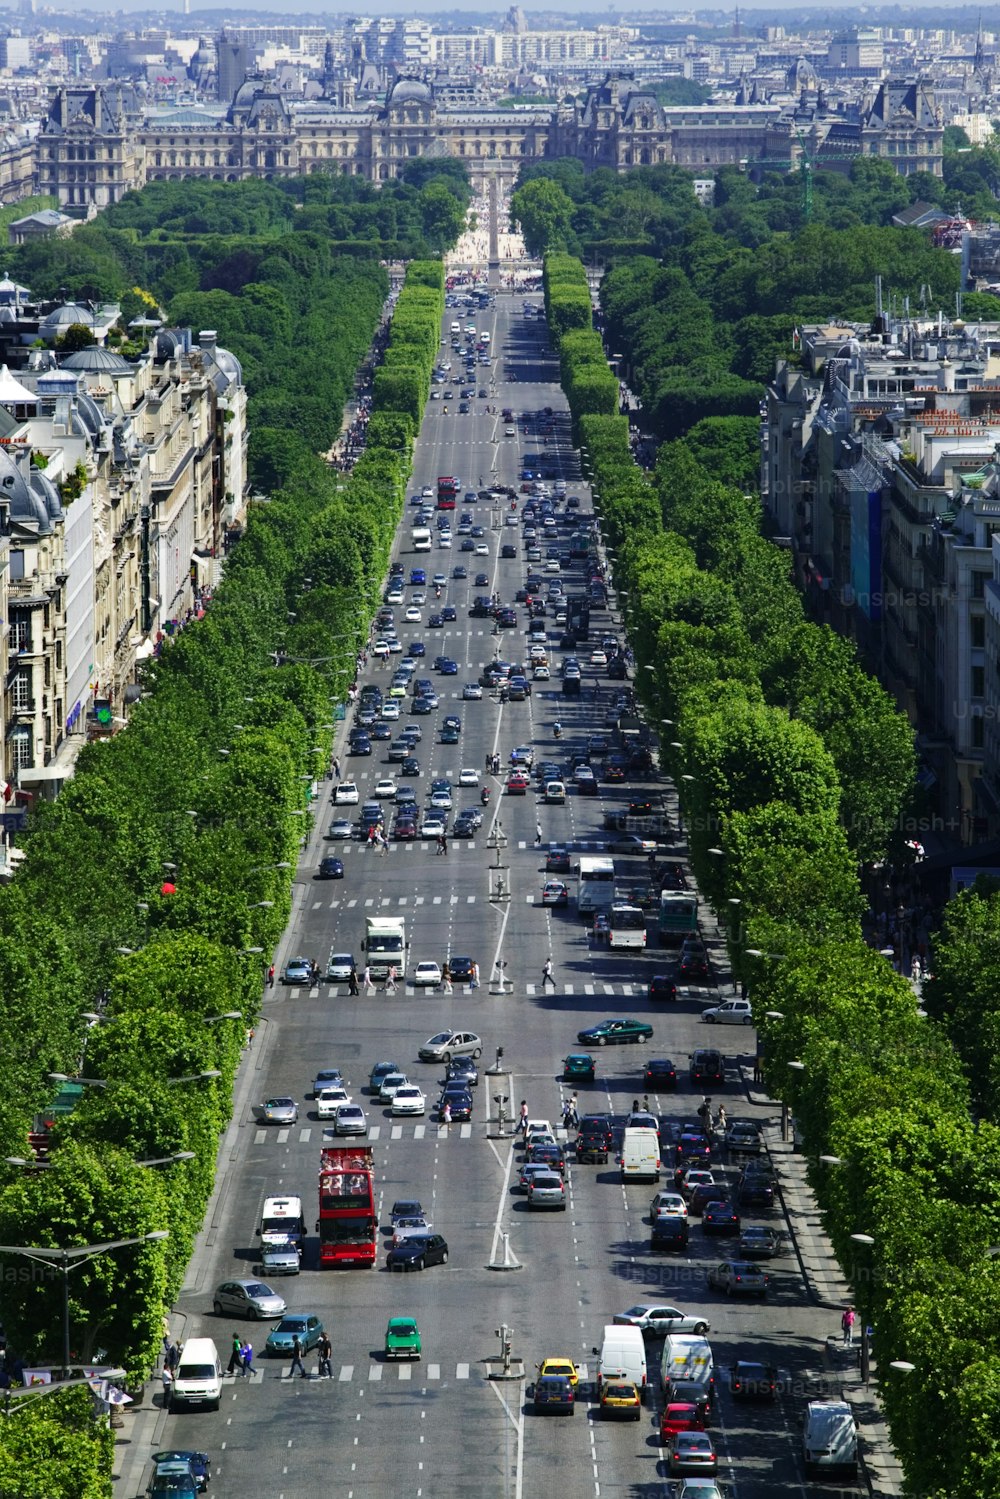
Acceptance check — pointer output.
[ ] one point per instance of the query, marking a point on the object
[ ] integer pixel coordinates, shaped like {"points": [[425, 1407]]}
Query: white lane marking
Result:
{"points": [[405, 1371], [419, 1130], [260, 1136], [374, 1371], [346, 1373], [461, 1371], [283, 1136], [396, 1133], [433, 1371], [305, 1135]]}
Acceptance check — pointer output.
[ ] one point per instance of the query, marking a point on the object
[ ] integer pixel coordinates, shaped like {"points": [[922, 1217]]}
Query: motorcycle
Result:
{"points": [[437, 591], [484, 796], [557, 730]]}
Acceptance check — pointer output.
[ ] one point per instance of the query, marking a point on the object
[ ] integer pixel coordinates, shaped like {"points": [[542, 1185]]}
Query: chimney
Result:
{"points": [[207, 339]]}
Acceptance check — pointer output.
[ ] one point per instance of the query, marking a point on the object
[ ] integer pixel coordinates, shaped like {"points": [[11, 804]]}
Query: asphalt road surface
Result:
{"points": [[440, 1426]]}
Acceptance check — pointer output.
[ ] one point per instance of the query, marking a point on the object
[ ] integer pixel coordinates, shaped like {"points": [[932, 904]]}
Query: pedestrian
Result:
{"points": [[390, 980], [847, 1322], [547, 973], [235, 1356], [250, 1035], [246, 1356], [444, 844], [336, 768], [756, 1069], [645, 1103], [167, 1380], [720, 1119], [475, 976], [297, 1359], [383, 844], [635, 1106], [270, 977], [352, 981], [446, 1112], [523, 1126], [489, 758], [916, 971], [325, 1350], [440, 844], [538, 835], [369, 986], [446, 983], [314, 972]]}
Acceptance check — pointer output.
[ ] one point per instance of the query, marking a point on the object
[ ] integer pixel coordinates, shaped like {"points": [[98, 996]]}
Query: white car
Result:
{"points": [[468, 777], [553, 565], [338, 970], [394, 596], [444, 540], [395, 646], [408, 1100], [667, 1205], [427, 492], [598, 658], [390, 710], [540, 674], [419, 597], [732, 1012], [472, 692], [329, 1100], [380, 648], [346, 795], [432, 827], [385, 789], [389, 1084], [406, 1228], [538, 1130], [412, 615], [440, 580], [482, 550], [442, 801], [426, 976]]}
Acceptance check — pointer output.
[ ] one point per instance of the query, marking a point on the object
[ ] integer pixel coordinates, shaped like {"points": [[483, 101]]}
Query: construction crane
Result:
{"points": [[807, 164]]}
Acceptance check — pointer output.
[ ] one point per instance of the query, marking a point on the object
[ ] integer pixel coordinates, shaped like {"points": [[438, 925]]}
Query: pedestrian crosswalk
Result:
{"points": [[390, 1131], [619, 990], [414, 1372]]}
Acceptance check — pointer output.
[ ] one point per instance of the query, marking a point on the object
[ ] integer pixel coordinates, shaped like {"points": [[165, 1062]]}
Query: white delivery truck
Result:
{"points": [[385, 945], [421, 538], [640, 1158], [687, 1356], [622, 1355]]}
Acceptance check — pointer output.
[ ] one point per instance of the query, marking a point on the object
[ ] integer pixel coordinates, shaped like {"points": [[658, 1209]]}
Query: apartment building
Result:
{"points": [[879, 467], [122, 483]]}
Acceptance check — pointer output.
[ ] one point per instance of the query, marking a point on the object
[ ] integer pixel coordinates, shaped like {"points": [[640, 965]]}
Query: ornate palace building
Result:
{"points": [[96, 145]]}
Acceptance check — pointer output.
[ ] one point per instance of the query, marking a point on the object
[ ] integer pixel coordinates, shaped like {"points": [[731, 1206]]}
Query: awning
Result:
{"points": [[203, 566], [145, 650], [33, 774]]}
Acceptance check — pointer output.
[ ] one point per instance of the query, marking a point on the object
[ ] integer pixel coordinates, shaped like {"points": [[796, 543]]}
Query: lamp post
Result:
{"points": [[66, 1260]]}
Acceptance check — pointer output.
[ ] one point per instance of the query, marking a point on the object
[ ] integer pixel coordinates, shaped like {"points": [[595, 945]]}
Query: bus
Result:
{"points": [[596, 888], [348, 1222], [627, 926], [678, 916]]}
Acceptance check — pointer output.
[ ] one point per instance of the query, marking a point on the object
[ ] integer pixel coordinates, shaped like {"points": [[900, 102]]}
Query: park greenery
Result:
{"points": [[147, 978], [792, 768]]}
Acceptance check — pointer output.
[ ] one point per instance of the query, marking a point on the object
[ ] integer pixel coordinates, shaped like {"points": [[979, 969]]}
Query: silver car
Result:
{"points": [[338, 969], [350, 1120], [657, 1318], [247, 1298], [282, 1258], [547, 1190], [279, 1111], [448, 1044]]}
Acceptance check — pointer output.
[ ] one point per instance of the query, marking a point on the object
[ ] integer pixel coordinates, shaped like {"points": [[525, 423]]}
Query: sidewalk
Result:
{"points": [[829, 1289]]}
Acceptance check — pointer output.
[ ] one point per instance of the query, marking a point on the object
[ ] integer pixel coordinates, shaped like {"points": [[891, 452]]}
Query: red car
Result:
{"points": [[517, 784], [404, 829], [677, 1418]]}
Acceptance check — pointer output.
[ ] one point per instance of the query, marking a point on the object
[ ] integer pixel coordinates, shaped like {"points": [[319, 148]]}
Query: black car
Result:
{"points": [[410, 766], [720, 1218], [449, 614], [464, 827], [331, 869], [594, 1138], [662, 987], [549, 1154], [417, 1252], [755, 1187], [752, 1381], [660, 1072], [669, 1234], [360, 744], [707, 1066], [458, 1098], [692, 1392], [508, 550], [694, 968], [465, 1069], [557, 859], [461, 969]]}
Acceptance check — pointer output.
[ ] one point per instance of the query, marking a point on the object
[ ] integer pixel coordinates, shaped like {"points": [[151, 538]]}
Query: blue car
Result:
{"points": [[447, 667], [449, 614], [418, 577], [417, 648]]}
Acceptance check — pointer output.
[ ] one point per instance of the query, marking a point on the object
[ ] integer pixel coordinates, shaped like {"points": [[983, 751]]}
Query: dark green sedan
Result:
{"points": [[615, 1032], [579, 1064]]}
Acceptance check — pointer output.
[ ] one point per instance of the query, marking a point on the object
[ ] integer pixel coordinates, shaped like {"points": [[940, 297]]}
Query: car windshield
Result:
{"points": [[440, 1038], [291, 1324]]}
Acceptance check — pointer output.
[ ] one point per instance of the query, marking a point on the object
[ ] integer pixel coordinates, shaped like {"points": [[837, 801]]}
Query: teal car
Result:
{"points": [[402, 1338], [279, 1339], [579, 1065], [615, 1032]]}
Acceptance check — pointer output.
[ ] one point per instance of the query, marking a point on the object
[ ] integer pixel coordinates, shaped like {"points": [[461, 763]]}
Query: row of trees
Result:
{"points": [[792, 767], [158, 885]]}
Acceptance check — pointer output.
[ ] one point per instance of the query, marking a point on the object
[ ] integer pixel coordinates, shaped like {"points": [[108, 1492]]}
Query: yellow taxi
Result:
{"points": [[620, 1400], [563, 1366]]}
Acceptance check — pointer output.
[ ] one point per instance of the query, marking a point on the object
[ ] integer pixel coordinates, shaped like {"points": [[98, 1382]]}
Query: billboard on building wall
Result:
{"points": [[866, 551]]}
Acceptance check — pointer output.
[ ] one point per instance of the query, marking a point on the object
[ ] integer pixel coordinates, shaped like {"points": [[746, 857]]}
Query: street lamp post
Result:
{"points": [[66, 1260]]}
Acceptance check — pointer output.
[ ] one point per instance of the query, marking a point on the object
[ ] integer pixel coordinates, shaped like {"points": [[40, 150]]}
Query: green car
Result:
{"points": [[615, 1032], [402, 1338], [579, 1064]]}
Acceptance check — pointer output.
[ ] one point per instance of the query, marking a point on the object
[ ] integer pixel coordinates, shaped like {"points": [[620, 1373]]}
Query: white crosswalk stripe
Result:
{"points": [[374, 1132], [433, 1371], [374, 1372]]}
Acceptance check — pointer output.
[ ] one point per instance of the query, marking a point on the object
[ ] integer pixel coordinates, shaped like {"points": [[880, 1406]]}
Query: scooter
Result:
{"points": [[484, 796], [557, 730]]}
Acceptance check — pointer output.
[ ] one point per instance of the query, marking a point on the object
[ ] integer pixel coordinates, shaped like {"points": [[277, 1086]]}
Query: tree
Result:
{"points": [[77, 336], [544, 210]]}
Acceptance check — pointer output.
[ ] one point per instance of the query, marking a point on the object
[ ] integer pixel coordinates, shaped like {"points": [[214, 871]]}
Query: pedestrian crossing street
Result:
{"points": [[402, 1371], [420, 1130]]}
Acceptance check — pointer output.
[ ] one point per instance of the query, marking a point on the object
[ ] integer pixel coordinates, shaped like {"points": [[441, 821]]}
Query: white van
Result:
{"points": [[623, 1356], [421, 539], [198, 1376], [686, 1356], [640, 1157], [281, 1218], [456, 327], [829, 1438]]}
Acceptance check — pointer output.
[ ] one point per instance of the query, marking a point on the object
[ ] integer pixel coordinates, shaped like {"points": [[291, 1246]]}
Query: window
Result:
{"points": [[977, 625], [978, 681], [979, 582], [21, 691], [20, 749], [977, 732]]}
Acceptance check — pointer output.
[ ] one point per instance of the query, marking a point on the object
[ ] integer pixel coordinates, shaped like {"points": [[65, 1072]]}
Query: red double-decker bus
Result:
{"points": [[348, 1226], [447, 492]]}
